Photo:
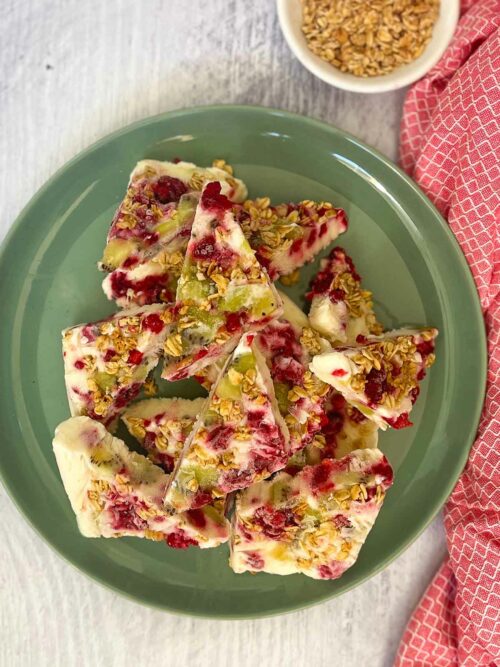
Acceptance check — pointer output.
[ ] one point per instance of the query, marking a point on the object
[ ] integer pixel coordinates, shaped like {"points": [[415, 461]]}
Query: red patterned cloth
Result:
{"points": [[450, 144]]}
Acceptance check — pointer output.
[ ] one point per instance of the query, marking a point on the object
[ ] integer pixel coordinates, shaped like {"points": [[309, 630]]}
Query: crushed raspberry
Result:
{"points": [[321, 284], [153, 323], [339, 373], [334, 424], [376, 385], [201, 498], [179, 540], [79, 364], [89, 332], [123, 516], [197, 518], [149, 439], [127, 394], [421, 374], [296, 246], [383, 469], [425, 348], [414, 394], [168, 189], [323, 229], [337, 401], [340, 521], [219, 437], [235, 321], [150, 239], [204, 249], [336, 295], [109, 354], [320, 478], [165, 461], [207, 249], [140, 198], [311, 240], [236, 479], [361, 339], [212, 198], [200, 354], [254, 560], [150, 289], [273, 521], [265, 261], [287, 370], [332, 571], [342, 218], [255, 418], [134, 357], [401, 422], [280, 339], [130, 262], [341, 255]]}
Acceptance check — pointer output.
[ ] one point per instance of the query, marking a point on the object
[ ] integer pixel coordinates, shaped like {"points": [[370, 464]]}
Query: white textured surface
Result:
{"points": [[70, 72]]}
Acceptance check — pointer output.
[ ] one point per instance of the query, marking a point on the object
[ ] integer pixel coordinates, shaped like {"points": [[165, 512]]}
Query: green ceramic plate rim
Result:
{"points": [[398, 173]]}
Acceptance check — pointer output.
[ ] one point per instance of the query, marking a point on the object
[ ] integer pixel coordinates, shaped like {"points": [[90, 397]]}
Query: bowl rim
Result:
{"points": [[398, 78]]}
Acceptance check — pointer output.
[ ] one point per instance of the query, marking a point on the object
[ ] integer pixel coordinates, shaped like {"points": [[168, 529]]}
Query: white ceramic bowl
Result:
{"points": [[290, 17]]}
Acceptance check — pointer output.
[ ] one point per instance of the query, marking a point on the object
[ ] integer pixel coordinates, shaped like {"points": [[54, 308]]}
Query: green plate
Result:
{"points": [[405, 253]]}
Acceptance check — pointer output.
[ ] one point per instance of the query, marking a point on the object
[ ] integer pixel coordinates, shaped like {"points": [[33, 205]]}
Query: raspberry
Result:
{"points": [[134, 357], [153, 323], [213, 199], [168, 189], [180, 540]]}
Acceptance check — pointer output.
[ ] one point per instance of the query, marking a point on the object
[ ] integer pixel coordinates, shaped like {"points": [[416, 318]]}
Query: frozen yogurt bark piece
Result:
{"points": [[239, 438], [380, 377], [344, 429], [151, 228], [287, 345], [107, 362], [162, 425], [159, 205], [314, 522], [116, 493], [151, 280], [222, 291], [287, 236], [341, 310]]}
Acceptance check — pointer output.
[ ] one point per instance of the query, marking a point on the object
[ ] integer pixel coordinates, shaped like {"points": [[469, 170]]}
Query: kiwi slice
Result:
{"points": [[227, 390], [104, 381], [181, 217], [116, 252], [244, 363], [281, 391]]}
